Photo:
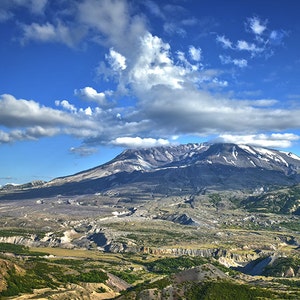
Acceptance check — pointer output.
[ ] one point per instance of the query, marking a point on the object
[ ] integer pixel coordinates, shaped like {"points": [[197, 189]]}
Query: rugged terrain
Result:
{"points": [[213, 205]]}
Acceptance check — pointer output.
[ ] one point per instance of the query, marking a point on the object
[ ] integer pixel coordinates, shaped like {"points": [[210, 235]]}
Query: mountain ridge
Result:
{"points": [[179, 152], [194, 166]]}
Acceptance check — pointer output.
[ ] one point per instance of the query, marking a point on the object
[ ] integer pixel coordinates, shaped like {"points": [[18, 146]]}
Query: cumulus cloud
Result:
{"points": [[20, 112], [90, 94], [171, 103], [195, 53], [256, 25], [27, 119], [245, 46], [193, 111], [165, 89], [88, 111], [66, 105], [116, 60], [154, 66], [138, 142], [31, 133], [274, 140]]}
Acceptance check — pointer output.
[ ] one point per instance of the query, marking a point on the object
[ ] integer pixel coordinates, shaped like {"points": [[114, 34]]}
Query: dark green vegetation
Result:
{"points": [[21, 232], [226, 290], [37, 275], [18, 250], [282, 266], [210, 288], [172, 265], [161, 276], [283, 201], [43, 274], [127, 276], [294, 226], [36, 272]]}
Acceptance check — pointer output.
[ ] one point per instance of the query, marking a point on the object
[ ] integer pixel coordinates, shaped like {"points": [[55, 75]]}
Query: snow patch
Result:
{"points": [[169, 155], [247, 149], [251, 161], [291, 155], [229, 162], [234, 152]]}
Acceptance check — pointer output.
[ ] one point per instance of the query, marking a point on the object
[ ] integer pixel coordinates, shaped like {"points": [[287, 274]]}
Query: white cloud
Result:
{"points": [[226, 43], [242, 63], [90, 94], [113, 19], [153, 66], [170, 102], [256, 25], [195, 53], [245, 46], [39, 131], [27, 120], [36, 31], [116, 60], [50, 33], [166, 88], [22, 112], [274, 140], [137, 142], [66, 105], [31, 133], [191, 111], [4, 137], [262, 44], [88, 111], [263, 102]]}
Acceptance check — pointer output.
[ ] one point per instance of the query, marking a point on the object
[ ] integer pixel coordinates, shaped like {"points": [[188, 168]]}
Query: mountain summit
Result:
{"points": [[191, 167]]}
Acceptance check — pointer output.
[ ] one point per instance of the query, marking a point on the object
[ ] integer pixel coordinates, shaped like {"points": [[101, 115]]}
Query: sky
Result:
{"points": [[82, 80]]}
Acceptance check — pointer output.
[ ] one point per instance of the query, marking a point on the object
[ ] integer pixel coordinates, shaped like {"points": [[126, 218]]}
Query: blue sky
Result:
{"points": [[81, 80]]}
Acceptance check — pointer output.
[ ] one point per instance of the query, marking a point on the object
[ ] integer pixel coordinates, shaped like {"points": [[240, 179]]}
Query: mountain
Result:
{"points": [[171, 169]]}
